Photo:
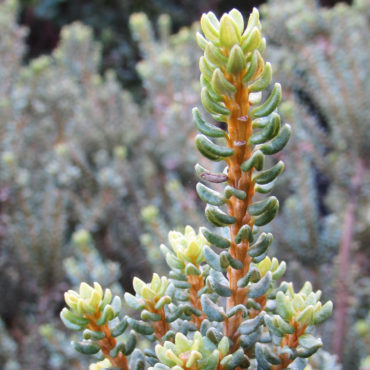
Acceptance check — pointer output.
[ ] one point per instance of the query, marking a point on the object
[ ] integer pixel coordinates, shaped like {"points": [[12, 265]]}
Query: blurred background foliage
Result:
{"points": [[97, 156]]}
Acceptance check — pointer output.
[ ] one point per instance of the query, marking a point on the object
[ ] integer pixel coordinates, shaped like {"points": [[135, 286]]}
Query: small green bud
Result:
{"points": [[210, 26], [149, 213], [236, 63], [229, 33], [120, 152], [8, 158], [81, 238]]}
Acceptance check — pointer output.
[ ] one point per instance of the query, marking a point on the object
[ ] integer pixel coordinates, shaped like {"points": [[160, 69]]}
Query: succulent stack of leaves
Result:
{"points": [[222, 306], [94, 312]]}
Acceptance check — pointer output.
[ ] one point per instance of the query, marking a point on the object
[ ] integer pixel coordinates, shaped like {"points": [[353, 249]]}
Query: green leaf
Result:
{"points": [[262, 363], [162, 301], [214, 56], [267, 216], [211, 106], [119, 328], [252, 41], [252, 68], [270, 356], [239, 359], [305, 352], [279, 272], [209, 196], [181, 284], [229, 33], [268, 132], [264, 189], [253, 21], [324, 313], [212, 258], [306, 316], [283, 306], [253, 276], [107, 315], [201, 41], [214, 335], [262, 206], [284, 326], [212, 310], [269, 175], [140, 326], [174, 262], [212, 94], [190, 310], [234, 263], [247, 342], [86, 348], [120, 347], [208, 28], [245, 232], [251, 325], [206, 69], [262, 45], [256, 161], [178, 275], [72, 321], [231, 191], [269, 105], [133, 302], [238, 19], [260, 288], [279, 142], [147, 315], [190, 269], [214, 149], [221, 85], [236, 62], [205, 127], [130, 343], [215, 239], [170, 317], [261, 245], [91, 334], [116, 305], [309, 341], [235, 309], [217, 286], [218, 217], [263, 81], [137, 361]]}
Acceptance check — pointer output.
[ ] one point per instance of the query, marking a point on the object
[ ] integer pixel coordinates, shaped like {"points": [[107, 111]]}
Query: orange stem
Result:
{"points": [[240, 130], [108, 343]]}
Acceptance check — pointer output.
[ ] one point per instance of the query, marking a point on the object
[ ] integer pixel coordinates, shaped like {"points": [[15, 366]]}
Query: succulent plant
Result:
{"points": [[222, 305]]}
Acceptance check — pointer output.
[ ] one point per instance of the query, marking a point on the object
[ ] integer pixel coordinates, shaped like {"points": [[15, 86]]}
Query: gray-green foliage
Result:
{"points": [[78, 153], [320, 55]]}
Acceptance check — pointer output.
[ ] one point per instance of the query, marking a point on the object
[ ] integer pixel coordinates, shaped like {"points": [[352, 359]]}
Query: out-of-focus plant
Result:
{"points": [[216, 310], [320, 54], [78, 155]]}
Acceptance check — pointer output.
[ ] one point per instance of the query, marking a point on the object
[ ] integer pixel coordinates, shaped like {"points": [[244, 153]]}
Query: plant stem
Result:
{"points": [[196, 283], [108, 343], [240, 130], [341, 305]]}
